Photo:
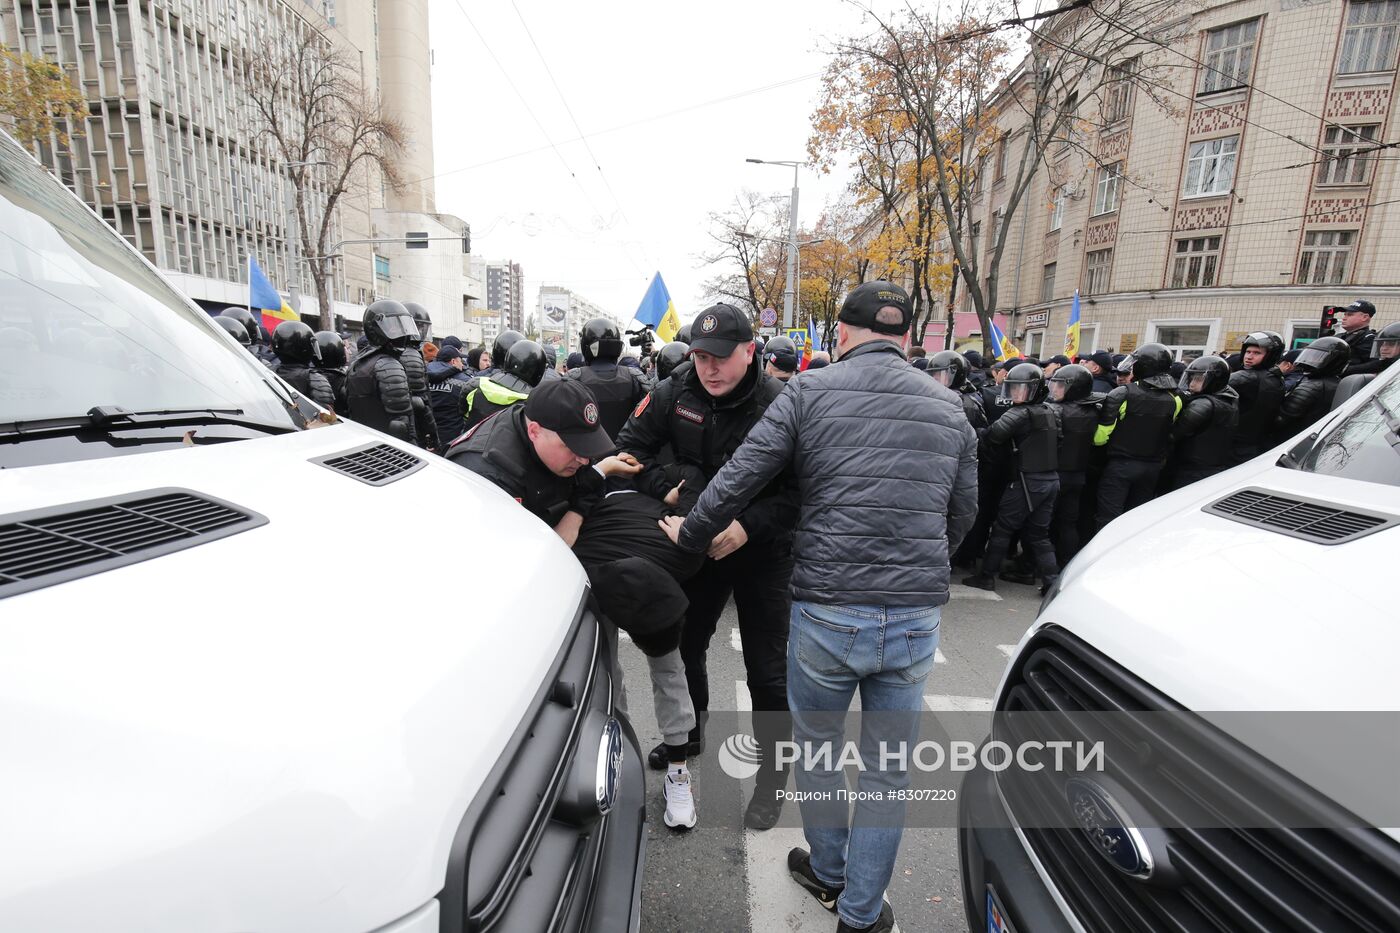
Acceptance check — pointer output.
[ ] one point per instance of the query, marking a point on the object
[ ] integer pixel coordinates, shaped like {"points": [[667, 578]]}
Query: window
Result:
{"points": [[1299, 334], [974, 236], [381, 267], [1210, 167], [1057, 208], [1047, 282], [1118, 95], [1096, 266], [996, 225], [1341, 164], [1229, 53], [1106, 188], [1088, 338], [1369, 41], [1359, 446], [1035, 343], [1185, 341], [1195, 262], [1070, 108], [1002, 145], [1326, 257]]}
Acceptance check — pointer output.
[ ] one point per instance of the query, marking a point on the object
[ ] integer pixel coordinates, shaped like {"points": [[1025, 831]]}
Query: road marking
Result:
{"points": [[734, 641], [958, 591], [938, 656], [1007, 650], [948, 703], [623, 636]]}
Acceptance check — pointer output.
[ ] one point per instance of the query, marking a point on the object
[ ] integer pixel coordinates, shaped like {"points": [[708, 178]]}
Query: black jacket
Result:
{"points": [[1205, 430], [705, 432], [972, 407], [1310, 400], [336, 377], [500, 450], [1135, 422], [1360, 342], [886, 465], [447, 396], [1104, 384], [1260, 393], [377, 389], [311, 383], [617, 389], [416, 370], [994, 403], [1078, 422], [1032, 432], [1370, 366]]}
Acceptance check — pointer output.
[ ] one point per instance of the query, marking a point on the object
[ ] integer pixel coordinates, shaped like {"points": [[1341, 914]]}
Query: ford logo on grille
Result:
{"points": [[1103, 821], [609, 773]]}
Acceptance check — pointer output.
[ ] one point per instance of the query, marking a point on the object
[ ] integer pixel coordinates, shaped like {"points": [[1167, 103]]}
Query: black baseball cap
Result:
{"points": [[567, 407], [865, 301], [448, 353], [1362, 305], [720, 329]]}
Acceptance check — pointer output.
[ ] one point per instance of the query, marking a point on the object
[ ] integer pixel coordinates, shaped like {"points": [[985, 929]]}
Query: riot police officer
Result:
{"points": [[235, 330], [951, 368], [1321, 363], [1259, 387], [1073, 399], [1385, 348], [330, 362], [704, 414], [296, 349], [683, 335], [378, 386], [618, 389], [255, 333], [668, 358], [1209, 420], [415, 367], [1030, 432], [780, 358], [521, 369], [1135, 426]]}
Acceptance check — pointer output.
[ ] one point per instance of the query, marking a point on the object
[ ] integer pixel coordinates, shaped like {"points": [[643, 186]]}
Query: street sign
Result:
{"points": [[417, 239], [798, 337], [768, 317], [1037, 318]]}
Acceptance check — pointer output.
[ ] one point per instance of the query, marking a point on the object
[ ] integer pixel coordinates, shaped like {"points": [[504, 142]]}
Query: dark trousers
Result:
{"points": [[758, 576], [1027, 506], [992, 478], [1064, 526], [1125, 484]]}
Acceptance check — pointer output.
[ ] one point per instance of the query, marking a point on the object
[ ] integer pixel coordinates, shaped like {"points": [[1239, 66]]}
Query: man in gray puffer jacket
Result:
{"points": [[887, 467]]}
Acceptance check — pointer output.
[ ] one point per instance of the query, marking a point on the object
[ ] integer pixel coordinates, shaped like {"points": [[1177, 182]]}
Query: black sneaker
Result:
{"points": [[982, 581], [765, 806], [657, 759], [800, 867], [1015, 576], [883, 924]]}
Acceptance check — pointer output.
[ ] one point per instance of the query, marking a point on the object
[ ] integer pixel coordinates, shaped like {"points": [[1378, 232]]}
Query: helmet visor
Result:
{"points": [[1018, 392], [1192, 382], [1385, 348], [1312, 357], [944, 376], [1125, 365], [1058, 390], [398, 326]]}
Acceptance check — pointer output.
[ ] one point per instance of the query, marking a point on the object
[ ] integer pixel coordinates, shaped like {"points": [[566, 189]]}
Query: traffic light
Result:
{"points": [[1329, 319]]}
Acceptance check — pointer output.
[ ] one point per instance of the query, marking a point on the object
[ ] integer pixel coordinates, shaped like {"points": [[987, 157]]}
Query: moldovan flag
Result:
{"points": [[813, 344], [658, 311], [266, 300], [1002, 348], [1072, 331]]}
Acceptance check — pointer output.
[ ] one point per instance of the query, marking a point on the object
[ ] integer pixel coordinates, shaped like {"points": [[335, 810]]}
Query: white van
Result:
{"points": [[1266, 588], [262, 672]]}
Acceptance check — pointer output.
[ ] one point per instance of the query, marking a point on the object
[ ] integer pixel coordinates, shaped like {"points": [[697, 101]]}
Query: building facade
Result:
{"points": [[1262, 196], [505, 292], [560, 314]]}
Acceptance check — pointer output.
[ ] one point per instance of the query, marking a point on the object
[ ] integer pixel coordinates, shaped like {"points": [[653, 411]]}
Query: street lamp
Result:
{"points": [[789, 290], [294, 232]]}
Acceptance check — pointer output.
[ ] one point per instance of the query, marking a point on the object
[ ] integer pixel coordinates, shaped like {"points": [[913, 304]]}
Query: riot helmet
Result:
{"points": [[948, 367], [1268, 341], [782, 353], [294, 342], [235, 329], [1148, 360], [600, 339], [244, 317], [1024, 384], [1387, 343], [669, 357], [1205, 375], [331, 349], [1325, 356], [388, 324], [683, 335], [503, 342], [523, 366], [1071, 383], [422, 319]]}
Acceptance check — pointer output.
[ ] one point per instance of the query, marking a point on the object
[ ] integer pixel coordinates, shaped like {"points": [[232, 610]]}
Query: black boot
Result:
{"points": [[883, 923], [982, 581]]}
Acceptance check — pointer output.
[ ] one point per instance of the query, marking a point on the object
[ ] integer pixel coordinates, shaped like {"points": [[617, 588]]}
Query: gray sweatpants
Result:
{"points": [[675, 714]]}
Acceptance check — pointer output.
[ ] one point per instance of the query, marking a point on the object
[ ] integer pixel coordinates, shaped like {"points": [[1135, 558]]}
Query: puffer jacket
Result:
{"points": [[887, 467]]}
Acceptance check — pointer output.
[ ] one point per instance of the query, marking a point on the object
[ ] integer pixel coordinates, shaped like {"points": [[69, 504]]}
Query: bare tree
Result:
{"points": [[749, 243], [326, 128]]}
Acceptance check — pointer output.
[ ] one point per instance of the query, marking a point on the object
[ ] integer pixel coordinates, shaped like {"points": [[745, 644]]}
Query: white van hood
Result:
{"points": [[277, 730]]}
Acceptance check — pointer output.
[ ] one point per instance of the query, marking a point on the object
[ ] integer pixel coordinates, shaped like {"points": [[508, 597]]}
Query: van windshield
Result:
{"points": [[1366, 444], [85, 323]]}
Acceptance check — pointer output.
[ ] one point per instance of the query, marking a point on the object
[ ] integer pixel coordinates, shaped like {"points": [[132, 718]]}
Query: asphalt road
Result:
{"points": [[720, 877]]}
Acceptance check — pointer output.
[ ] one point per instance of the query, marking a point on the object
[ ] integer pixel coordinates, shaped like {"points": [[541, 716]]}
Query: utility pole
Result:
{"points": [[790, 289]]}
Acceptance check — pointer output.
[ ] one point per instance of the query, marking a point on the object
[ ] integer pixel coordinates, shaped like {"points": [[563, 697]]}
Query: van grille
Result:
{"points": [[377, 464], [1298, 518], [55, 545]]}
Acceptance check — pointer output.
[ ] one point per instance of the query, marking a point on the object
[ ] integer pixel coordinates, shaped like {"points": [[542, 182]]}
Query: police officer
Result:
{"points": [[780, 358], [255, 333], [704, 415], [1100, 367], [1357, 331], [1321, 363], [1030, 432], [951, 368], [416, 368], [296, 349], [683, 335], [447, 393], [330, 362], [1209, 420], [617, 388], [521, 369], [668, 358], [235, 330], [1135, 426], [378, 386], [994, 401], [1385, 348], [1259, 387], [1074, 401]]}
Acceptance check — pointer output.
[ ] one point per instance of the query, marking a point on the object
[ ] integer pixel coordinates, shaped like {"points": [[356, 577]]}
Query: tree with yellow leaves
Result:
{"points": [[40, 102]]}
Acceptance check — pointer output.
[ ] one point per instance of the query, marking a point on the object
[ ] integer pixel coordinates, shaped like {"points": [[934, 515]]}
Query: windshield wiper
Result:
{"points": [[110, 418], [1392, 424]]}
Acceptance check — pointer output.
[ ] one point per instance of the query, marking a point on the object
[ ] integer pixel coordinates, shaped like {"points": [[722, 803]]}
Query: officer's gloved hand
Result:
{"points": [[420, 407], [399, 428]]}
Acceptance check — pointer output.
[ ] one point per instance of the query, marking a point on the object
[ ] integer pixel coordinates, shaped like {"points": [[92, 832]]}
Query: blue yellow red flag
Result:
{"points": [[266, 300], [658, 311], [1002, 348], [1072, 331]]}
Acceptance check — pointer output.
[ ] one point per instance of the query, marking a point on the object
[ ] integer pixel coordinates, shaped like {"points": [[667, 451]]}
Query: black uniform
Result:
{"points": [[1309, 400], [490, 395], [416, 371], [1135, 424], [994, 403], [337, 378], [447, 397], [1032, 431], [1202, 437], [617, 388], [377, 390], [264, 354], [1078, 422], [311, 383], [1360, 342], [1260, 393], [704, 432], [973, 407]]}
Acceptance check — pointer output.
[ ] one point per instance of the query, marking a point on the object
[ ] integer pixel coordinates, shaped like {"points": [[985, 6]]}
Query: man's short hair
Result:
{"points": [[916, 352]]}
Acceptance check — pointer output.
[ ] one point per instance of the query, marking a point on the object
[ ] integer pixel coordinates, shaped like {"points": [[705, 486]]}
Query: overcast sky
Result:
{"points": [[645, 83]]}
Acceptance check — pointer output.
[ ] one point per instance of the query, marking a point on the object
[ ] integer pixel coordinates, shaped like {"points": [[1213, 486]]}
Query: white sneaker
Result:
{"points": [[680, 802]]}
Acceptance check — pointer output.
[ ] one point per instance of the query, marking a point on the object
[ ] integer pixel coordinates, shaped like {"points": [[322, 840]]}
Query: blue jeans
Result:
{"points": [[885, 652]]}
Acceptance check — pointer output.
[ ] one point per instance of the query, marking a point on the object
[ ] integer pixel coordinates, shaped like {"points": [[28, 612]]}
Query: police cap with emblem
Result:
{"points": [[865, 302], [568, 408], [719, 329]]}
